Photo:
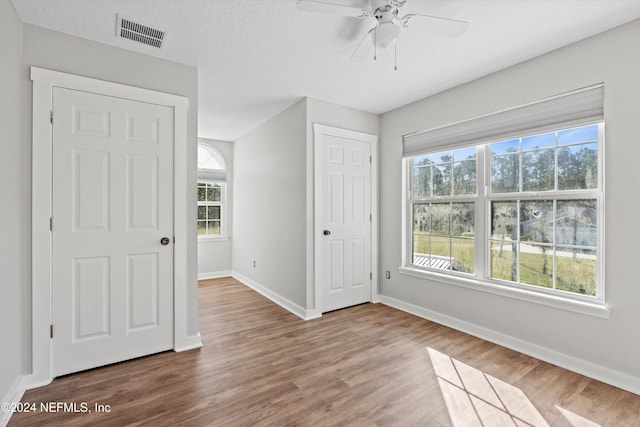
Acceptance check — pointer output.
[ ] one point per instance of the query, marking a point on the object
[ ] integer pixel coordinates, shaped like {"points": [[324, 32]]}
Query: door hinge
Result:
{"points": [[51, 331], [50, 223], [370, 276], [51, 116], [370, 157], [370, 217]]}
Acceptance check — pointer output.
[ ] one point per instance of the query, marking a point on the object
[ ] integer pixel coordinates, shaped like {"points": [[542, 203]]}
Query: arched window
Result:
{"points": [[210, 159], [212, 174]]}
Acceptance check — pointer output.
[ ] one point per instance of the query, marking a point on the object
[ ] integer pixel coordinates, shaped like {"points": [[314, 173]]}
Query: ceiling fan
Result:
{"points": [[389, 24]]}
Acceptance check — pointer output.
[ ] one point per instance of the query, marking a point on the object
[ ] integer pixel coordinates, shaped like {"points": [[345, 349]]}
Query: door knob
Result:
{"points": [[326, 232], [164, 241]]}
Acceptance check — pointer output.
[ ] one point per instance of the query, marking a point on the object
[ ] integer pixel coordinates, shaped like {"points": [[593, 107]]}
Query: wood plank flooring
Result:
{"points": [[368, 365]]}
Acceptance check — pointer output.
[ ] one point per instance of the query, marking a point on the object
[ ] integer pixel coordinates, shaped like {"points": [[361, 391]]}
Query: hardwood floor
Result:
{"points": [[366, 365]]}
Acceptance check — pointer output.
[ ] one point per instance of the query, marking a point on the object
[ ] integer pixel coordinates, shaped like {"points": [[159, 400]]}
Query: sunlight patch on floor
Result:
{"points": [[475, 398], [576, 420]]}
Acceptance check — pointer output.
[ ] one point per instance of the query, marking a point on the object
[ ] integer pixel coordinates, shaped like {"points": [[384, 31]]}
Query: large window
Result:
{"points": [[522, 211], [211, 192]]}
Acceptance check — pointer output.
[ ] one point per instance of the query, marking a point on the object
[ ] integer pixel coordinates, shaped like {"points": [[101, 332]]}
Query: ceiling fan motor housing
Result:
{"points": [[386, 33], [385, 13]]}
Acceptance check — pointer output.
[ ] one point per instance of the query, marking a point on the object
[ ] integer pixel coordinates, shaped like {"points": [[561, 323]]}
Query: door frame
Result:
{"points": [[320, 129], [42, 281]]}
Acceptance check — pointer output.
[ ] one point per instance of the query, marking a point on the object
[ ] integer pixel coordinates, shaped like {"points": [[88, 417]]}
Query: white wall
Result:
{"points": [[15, 211], [608, 349], [214, 255], [269, 209]]}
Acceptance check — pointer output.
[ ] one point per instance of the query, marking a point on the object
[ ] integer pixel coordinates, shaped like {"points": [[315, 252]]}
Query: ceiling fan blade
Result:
{"points": [[436, 25], [363, 51], [330, 8]]}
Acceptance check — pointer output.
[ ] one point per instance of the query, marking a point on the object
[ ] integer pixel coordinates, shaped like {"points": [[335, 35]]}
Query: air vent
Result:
{"points": [[129, 29]]}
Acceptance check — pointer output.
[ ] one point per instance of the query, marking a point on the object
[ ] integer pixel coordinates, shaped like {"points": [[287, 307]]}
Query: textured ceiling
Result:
{"points": [[257, 57]]}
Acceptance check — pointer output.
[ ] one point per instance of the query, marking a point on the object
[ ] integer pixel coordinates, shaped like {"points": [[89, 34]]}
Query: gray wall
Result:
{"points": [[269, 174], [23, 46], [15, 210], [214, 256], [612, 58], [273, 197]]}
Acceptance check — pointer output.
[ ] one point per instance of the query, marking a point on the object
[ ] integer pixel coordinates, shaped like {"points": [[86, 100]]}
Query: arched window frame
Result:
{"points": [[211, 163]]}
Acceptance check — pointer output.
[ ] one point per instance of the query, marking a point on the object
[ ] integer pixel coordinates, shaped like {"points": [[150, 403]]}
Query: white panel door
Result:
{"points": [[112, 205], [344, 173]]}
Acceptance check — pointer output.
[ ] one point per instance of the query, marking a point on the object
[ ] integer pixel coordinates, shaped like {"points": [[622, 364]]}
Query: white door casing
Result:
{"points": [[344, 261], [112, 205], [42, 278]]}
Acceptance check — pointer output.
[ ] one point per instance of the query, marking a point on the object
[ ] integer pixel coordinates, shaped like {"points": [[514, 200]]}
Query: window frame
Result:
{"points": [[481, 278], [453, 198], [222, 204]]}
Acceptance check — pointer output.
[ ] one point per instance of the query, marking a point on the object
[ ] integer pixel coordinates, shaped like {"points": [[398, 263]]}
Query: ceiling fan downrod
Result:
{"points": [[375, 45]]}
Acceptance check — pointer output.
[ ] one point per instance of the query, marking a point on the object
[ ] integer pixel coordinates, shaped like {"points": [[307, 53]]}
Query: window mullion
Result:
{"points": [[482, 220]]}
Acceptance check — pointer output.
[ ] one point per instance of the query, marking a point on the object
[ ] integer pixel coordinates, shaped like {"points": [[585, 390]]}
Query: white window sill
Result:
{"points": [[213, 238], [588, 308]]}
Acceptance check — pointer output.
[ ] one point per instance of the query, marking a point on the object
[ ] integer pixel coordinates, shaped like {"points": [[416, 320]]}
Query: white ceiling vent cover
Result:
{"points": [[129, 29]]}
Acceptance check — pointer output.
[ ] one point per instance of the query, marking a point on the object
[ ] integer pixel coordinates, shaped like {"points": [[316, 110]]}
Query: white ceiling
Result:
{"points": [[257, 57]]}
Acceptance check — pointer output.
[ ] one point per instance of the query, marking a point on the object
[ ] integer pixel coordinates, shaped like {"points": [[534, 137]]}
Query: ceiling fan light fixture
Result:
{"points": [[386, 35]]}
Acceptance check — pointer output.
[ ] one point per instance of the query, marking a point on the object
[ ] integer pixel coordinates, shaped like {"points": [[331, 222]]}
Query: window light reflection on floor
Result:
{"points": [[475, 398]]}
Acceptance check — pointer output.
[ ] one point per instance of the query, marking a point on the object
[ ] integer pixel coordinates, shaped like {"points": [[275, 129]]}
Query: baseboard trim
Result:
{"points": [[278, 299], [214, 275], [30, 382], [14, 395], [609, 376], [189, 343]]}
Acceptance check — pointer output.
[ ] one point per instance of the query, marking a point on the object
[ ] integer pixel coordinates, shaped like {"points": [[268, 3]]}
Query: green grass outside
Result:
{"points": [[578, 276], [214, 228], [461, 250]]}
